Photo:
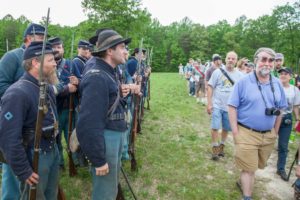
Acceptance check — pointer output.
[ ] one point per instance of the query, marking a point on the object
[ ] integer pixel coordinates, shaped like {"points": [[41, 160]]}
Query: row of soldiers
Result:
{"points": [[108, 91]]}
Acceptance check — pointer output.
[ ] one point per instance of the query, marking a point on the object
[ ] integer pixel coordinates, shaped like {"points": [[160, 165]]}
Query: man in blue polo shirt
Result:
{"points": [[255, 114]]}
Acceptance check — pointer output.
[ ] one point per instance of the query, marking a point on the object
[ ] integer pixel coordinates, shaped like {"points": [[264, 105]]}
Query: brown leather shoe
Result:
{"points": [[221, 150], [215, 153]]}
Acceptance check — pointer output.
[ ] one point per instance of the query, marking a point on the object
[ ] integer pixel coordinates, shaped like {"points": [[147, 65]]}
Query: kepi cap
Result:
{"points": [[34, 29], [35, 49], [55, 41], [83, 44]]}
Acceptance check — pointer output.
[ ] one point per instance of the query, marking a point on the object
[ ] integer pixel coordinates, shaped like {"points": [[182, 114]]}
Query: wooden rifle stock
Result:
{"points": [[136, 125], [120, 195], [37, 137], [134, 130], [148, 95], [42, 110], [72, 168], [61, 195]]}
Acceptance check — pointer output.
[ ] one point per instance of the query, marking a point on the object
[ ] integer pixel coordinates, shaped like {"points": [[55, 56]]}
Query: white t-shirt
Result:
{"points": [[292, 97]]}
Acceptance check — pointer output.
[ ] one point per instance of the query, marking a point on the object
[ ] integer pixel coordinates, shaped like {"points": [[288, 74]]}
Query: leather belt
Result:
{"points": [[251, 129]]}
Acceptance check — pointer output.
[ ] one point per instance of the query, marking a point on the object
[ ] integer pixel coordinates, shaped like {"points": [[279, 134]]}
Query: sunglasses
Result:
{"points": [[266, 59]]}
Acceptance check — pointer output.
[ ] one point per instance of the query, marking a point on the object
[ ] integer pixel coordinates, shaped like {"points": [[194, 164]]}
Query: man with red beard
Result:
{"points": [[19, 108], [11, 70]]}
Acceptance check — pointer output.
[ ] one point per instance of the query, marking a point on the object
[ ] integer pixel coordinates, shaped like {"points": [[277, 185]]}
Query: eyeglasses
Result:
{"points": [[266, 59]]}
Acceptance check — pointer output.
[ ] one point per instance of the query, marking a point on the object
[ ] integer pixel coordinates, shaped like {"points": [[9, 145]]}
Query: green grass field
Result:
{"points": [[173, 153]]}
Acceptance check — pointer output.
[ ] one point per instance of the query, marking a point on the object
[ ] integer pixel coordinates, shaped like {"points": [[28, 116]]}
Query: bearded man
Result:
{"points": [[254, 112], [19, 108]]}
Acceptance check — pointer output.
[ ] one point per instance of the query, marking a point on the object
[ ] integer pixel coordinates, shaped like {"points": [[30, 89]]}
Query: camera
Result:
{"points": [[287, 121], [272, 111]]}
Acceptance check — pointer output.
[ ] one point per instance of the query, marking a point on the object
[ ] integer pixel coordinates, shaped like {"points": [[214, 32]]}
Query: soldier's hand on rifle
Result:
{"points": [[103, 170], [139, 79], [125, 90], [72, 88], [74, 80], [33, 179]]}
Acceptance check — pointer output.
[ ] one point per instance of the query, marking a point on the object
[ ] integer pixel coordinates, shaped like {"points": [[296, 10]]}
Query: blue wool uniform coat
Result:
{"points": [[64, 68], [79, 63], [11, 68], [19, 107], [98, 93], [131, 65]]}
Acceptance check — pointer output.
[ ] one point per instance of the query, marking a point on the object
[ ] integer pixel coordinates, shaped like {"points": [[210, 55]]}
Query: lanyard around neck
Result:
{"points": [[260, 89]]}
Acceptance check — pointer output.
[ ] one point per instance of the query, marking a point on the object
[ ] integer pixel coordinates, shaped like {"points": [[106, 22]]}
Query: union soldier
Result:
{"points": [[132, 63], [89, 54], [101, 122], [82, 57], [68, 76], [19, 107], [11, 70]]}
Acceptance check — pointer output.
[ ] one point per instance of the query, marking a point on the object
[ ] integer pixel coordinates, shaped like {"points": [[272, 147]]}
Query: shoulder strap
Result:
{"points": [[115, 104], [227, 76], [197, 68], [77, 58]]}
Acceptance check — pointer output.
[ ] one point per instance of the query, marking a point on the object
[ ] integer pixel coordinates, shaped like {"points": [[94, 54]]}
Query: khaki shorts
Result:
{"points": [[252, 149]]}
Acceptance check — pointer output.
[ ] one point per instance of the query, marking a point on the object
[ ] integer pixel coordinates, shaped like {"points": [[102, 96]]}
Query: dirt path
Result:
{"points": [[274, 184]]}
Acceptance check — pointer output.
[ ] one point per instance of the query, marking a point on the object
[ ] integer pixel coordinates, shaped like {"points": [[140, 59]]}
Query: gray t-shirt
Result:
{"points": [[293, 98], [222, 87]]}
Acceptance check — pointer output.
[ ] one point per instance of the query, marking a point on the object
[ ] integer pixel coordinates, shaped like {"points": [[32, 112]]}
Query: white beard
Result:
{"points": [[264, 72]]}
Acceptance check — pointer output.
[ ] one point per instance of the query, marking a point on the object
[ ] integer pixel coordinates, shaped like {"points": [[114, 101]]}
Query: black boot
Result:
{"points": [[282, 175]]}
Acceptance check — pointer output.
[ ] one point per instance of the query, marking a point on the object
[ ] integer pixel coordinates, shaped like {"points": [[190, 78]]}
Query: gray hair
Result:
{"points": [[267, 50]]}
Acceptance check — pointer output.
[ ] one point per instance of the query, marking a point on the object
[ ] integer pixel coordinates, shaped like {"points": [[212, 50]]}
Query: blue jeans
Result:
{"points": [[220, 117], [10, 184], [297, 183], [192, 88], [47, 188], [106, 187], [283, 140]]}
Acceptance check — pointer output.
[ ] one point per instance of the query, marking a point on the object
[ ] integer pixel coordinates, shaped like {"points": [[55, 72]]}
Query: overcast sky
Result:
{"points": [[206, 12]]}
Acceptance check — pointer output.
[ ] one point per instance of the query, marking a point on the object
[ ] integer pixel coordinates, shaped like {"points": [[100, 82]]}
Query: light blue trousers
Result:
{"points": [[10, 184], [106, 187]]}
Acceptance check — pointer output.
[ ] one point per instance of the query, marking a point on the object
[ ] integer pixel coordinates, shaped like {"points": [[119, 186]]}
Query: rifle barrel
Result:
{"points": [[42, 110]]}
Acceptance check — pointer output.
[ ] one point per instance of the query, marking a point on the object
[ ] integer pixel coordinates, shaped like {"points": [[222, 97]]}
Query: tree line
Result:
{"points": [[177, 42]]}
